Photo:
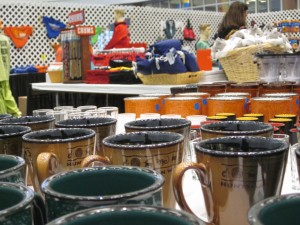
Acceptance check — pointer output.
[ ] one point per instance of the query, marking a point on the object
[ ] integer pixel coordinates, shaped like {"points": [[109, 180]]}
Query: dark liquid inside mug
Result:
{"points": [[85, 122]]}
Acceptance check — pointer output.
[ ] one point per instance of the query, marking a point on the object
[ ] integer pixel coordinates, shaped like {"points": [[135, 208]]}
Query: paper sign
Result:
{"points": [[76, 17]]}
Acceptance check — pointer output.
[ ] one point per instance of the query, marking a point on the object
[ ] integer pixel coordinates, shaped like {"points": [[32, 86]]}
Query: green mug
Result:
{"points": [[74, 190], [277, 210], [128, 215], [12, 169], [19, 205]]}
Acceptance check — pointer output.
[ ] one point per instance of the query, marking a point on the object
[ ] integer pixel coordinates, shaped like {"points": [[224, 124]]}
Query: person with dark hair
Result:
{"points": [[234, 19]]}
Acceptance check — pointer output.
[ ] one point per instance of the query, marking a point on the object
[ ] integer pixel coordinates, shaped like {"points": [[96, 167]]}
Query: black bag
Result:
{"points": [[123, 77]]}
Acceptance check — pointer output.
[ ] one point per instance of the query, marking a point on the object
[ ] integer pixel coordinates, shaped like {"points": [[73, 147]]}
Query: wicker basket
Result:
{"points": [[239, 64], [56, 76], [165, 79]]}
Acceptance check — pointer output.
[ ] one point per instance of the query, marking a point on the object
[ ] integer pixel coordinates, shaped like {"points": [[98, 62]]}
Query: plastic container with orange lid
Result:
{"points": [[270, 107], [293, 96], [212, 89], [236, 105], [252, 88], [235, 94], [183, 106], [276, 87], [139, 105], [162, 98], [256, 115], [202, 95]]}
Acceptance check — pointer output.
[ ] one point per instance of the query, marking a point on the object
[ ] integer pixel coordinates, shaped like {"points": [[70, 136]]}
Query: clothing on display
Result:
{"points": [[94, 38], [18, 35], [7, 101], [4, 58], [53, 26], [120, 38], [24, 69], [170, 28], [202, 45]]}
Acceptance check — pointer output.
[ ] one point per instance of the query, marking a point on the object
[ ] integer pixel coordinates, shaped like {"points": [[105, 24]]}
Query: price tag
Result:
{"points": [[85, 30], [76, 17]]}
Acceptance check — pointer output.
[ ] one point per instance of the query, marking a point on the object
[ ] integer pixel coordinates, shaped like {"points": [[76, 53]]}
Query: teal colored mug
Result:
{"points": [[20, 206], [128, 215], [277, 210], [79, 189], [12, 169]]}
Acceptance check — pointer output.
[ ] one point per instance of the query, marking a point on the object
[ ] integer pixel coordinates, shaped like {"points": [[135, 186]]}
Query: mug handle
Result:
{"points": [[87, 161], [39, 210], [201, 172], [46, 164]]}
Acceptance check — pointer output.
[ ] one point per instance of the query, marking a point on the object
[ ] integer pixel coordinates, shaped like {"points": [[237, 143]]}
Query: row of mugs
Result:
{"points": [[236, 172]]}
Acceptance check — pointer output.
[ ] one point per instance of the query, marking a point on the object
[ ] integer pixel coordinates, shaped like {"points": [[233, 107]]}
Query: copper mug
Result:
{"points": [[160, 151], [103, 127], [236, 128], [48, 152], [235, 172]]}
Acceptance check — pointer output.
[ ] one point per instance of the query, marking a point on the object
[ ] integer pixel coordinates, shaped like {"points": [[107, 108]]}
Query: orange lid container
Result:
{"points": [[140, 105], [185, 106]]}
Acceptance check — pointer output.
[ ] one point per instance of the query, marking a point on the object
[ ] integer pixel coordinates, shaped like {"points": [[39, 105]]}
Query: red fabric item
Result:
{"points": [[103, 59], [189, 34], [97, 77], [120, 38]]}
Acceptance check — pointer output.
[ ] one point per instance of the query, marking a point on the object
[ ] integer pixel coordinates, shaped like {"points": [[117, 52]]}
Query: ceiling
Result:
{"points": [[98, 2]]}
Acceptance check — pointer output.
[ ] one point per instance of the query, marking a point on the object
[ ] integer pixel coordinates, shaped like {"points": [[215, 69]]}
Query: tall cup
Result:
{"points": [[236, 128], [160, 151], [235, 172], [103, 127], [48, 152], [181, 126]]}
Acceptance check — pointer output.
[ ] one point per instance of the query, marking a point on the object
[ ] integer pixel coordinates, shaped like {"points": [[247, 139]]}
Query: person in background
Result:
{"points": [[120, 38], [234, 19], [205, 32]]}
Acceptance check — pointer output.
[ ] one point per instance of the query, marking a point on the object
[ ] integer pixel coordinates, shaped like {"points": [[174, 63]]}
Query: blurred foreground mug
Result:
{"points": [[235, 172], [236, 128], [160, 151], [51, 151], [12, 169], [20, 206], [278, 210], [128, 215], [78, 189]]}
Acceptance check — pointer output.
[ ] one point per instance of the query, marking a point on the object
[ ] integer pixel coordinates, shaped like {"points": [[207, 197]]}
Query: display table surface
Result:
{"points": [[134, 89]]}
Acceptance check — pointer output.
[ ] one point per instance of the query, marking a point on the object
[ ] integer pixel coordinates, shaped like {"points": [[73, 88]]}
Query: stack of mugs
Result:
{"points": [[84, 169]]}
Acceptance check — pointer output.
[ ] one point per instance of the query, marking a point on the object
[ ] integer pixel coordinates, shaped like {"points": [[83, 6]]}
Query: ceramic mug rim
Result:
{"points": [[18, 159], [156, 185], [280, 94], [24, 130], [268, 128], [110, 121], [270, 98], [217, 153], [89, 134], [130, 125], [5, 116], [106, 140], [254, 211], [28, 196], [183, 98], [227, 98], [193, 220], [40, 120]]}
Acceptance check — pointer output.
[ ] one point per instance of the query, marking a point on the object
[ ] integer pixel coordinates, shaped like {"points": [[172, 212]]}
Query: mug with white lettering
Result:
{"points": [[48, 152], [235, 172]]}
